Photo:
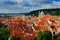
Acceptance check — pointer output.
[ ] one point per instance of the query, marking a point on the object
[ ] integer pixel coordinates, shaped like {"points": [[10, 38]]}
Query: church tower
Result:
{"points": [[41, 13]]}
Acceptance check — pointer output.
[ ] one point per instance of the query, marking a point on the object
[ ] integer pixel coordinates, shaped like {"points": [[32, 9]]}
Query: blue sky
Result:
{"points": [[23, 6]]}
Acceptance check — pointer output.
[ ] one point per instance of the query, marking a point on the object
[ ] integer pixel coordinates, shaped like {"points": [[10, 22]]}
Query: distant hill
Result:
{"points": [[55, 11], [50, 11]]}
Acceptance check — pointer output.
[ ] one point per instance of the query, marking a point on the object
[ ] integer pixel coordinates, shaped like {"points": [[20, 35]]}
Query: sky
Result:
{"points": [[25, 6]]}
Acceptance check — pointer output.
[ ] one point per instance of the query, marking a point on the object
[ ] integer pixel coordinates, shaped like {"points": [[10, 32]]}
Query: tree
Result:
{"points": [[4, 33], [57, 37], [44, 35]]}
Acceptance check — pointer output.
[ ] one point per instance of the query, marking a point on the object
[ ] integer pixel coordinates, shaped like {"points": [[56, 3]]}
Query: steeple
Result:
{"points": [[41, 13]]}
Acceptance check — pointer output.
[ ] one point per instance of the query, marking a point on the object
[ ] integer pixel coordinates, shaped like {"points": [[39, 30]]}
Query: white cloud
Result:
{"points": [[56, 3], [52, 5], [4, 11], [23, 6], [46, 6], [18, 1]]}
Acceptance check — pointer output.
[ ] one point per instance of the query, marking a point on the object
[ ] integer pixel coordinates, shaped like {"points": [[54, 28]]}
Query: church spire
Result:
{"points": [[41, 13]]}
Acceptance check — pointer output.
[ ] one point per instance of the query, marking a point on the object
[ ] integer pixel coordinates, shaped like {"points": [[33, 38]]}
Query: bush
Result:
{"points": [[44, 35], [57, 37]]}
